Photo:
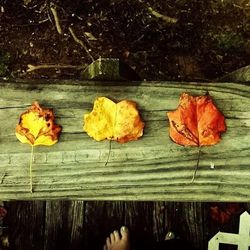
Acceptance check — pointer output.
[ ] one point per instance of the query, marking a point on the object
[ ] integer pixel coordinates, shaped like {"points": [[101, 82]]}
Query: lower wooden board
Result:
{"points": [[152, 168], [25, 225], [81, 225], [101, 219]]}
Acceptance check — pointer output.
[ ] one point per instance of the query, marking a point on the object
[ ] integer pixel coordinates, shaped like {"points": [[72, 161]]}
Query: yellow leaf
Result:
{"points": [[37, 127], [120, 122]]}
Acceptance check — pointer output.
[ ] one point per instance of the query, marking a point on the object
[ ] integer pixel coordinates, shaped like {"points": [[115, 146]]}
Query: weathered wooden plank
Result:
{"points": [[139, 217], [192, 216], [25, 222], [101, 218], [190, 221], [152, 168], [57, 224], [159, 227], [64, 222], [77, 228]]}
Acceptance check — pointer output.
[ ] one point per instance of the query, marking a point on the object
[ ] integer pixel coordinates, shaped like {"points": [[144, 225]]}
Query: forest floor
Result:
{"points": [[160, 40]]}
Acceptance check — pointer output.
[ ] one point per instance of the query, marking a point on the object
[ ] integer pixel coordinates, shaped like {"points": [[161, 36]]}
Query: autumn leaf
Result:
{"points": [[113, 121], [222, 213], [3, 212], [37, 127], [196, 122]]}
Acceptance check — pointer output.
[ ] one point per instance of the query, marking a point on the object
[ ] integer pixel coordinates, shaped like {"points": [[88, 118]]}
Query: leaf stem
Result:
{"points": [[106, 163], [197, 165], [31, 162]]}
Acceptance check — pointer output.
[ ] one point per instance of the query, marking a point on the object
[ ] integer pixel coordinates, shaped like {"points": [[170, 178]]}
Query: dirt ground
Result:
{"points": [[160, 40]]}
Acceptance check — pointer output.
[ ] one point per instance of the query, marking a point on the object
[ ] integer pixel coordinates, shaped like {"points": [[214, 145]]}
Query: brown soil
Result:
{"points": [[160, 40]]}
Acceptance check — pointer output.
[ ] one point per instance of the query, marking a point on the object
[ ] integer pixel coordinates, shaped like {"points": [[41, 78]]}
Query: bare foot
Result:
{"points": [[118, 242]]}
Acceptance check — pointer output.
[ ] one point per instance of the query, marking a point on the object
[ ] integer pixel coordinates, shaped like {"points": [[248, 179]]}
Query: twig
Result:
{"points": [[197, 165], [57, 22], [240, 7], [30, 24], [77, 40], [167, 19], [51, 66], [43, 21], [29, 8]]}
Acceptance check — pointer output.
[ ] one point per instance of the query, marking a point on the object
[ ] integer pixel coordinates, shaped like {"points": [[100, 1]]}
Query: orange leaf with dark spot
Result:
{"points": [[37, 126], [196, 122]]}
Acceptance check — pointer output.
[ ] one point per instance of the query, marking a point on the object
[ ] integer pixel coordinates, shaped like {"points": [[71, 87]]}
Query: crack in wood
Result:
{"points": [[2, 178], [15, 107]]}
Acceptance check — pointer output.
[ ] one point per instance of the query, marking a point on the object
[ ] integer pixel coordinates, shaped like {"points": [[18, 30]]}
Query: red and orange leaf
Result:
{"points": [[37, 127], [196, 122], [3, 212], [113, 121], [222, 213]]}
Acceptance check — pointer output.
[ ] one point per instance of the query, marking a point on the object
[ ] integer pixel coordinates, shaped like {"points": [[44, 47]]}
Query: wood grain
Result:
{"points": [[57, 225], [85, 225], [101, 219], [25, 222], [77, 229], [140, 220], [152, 168], [64, 222]]}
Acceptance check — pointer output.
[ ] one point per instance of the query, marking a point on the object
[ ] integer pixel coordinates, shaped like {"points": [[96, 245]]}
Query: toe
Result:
{"points": [[108, 243], [112, 238], [116, 235], [124, 232]]}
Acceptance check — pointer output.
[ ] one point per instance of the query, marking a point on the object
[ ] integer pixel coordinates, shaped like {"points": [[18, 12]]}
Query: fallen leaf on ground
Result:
{"points": [[222, 213], [113, 121], [196, 122], [37, 127], [3, 212]]}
